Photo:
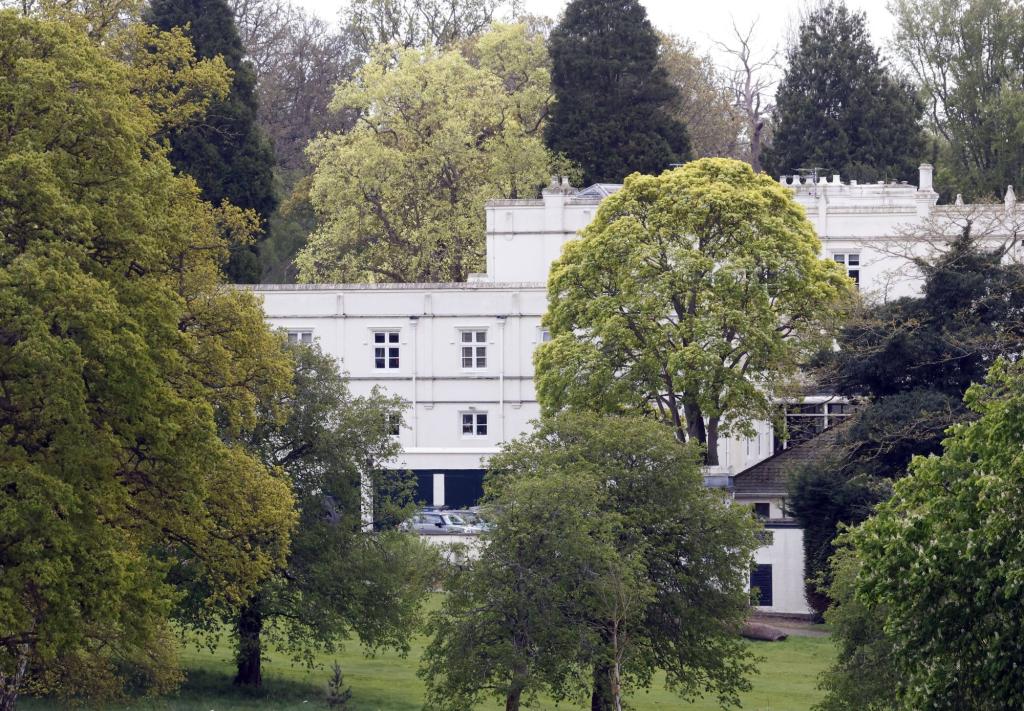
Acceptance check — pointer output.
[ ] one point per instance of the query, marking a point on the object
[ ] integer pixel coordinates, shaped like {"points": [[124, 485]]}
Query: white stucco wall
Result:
{"points": [[786, 556]]}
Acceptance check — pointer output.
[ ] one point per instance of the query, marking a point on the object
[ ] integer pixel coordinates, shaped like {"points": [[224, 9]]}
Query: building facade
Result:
{"points": [[461, 354]]}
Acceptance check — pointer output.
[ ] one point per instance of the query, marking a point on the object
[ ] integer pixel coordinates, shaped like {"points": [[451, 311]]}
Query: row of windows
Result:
{"points": [[387, 348], [474, 424]]}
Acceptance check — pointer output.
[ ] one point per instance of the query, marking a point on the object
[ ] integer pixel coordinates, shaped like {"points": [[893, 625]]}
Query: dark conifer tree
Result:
{"points": [[612, 95], [226, 152], [839, 108]]}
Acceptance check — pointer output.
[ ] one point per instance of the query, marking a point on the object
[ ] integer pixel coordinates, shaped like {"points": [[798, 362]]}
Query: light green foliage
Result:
{"points": [[693, 296], [967, 58], [863, 677], [120, 353], [611, 560], [942, 563], [401, 196]]}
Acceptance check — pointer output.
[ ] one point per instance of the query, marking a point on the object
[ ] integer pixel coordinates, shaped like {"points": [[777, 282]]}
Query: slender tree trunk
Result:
{"points": [[248, 657], [10, 684]]}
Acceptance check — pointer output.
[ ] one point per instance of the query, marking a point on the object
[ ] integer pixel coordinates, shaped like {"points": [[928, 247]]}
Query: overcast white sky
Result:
{"points": [[703, 21]]}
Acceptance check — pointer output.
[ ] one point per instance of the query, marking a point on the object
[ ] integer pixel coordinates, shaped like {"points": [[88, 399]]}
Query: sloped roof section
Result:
{"points": [[771, 476], [598, 191]]}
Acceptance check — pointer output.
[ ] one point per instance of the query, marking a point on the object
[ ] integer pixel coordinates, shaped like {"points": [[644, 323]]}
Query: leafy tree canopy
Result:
{"points": [[613, 108], [338, 578], [401, 196], [639, 567], [909, 362], [226, 153], [122, 358], [966, 57], [838, 107], [941, 560], [692, 296]]}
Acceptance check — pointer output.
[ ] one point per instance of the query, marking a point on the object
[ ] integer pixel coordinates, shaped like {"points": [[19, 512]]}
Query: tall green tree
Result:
{"points": [[941, 561], [638, 568], [226, 153], [338, 577], [692, 297], [909, 362], [613, 112], [513, 624], [839, 108], [966, 56], [123, 356], [401, 196]]}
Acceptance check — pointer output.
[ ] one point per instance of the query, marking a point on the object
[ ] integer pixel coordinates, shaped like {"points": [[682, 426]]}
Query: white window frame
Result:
{"points": [[300, 335], [543, 335], [477, 357], [474, 419], [387, 350], [850, 260]]}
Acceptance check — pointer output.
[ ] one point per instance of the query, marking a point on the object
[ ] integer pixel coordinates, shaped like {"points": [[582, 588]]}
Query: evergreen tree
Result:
{"points": [[226, 153], [839, 108], [613, 97], [910, 362]]}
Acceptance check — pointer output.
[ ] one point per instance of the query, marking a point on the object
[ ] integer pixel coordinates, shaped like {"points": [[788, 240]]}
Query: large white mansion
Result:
{"points": [[461, 354]]}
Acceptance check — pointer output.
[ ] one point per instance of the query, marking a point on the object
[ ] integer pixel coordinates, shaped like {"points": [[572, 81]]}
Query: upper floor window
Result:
{"points": [[852, 262], [545, 335], [304, 337], [385, 350], [474, 349], [806, 420], [394, 423], [474, 424]]}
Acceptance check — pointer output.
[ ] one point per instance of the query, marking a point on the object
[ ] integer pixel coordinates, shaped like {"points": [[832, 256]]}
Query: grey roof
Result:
{"points": [[771, 476], [599, 190]]}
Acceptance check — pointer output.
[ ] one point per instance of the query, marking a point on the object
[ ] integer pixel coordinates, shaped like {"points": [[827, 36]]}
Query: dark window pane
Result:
{"points": [[378, 337], [853, 260], [467, 337], [481, 336], [393, 337]]}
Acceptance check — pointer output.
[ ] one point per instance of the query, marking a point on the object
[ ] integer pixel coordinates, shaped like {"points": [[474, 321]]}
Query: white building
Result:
{"points": [[461, 354]]}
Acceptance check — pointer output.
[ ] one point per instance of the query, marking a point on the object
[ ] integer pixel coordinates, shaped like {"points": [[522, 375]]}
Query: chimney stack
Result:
{"points": [[924, 182]]}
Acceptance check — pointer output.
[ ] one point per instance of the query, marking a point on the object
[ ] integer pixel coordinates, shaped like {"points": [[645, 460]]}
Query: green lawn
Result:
{"points": [[388, 682]]}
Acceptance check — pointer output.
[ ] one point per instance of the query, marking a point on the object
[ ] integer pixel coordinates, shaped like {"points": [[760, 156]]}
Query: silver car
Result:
{"points": [[438, 522]]}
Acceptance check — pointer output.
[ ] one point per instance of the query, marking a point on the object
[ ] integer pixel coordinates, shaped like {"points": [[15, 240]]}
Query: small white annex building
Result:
{"points": [[461, 354]]}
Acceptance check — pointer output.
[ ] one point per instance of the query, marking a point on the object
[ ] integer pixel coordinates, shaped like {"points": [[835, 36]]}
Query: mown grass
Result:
{"points": [[388, 682]]}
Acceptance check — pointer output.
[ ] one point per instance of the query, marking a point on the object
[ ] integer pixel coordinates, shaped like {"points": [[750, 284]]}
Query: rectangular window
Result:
{"points": [[474, 424], [474, 349], [385, 350], [762, 510], [545, 335], [394, 424], [761, 584], [852, 262], [303, 337]]}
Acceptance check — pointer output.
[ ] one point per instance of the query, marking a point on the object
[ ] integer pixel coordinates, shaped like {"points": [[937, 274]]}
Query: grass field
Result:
{"points": [[389, 683]]}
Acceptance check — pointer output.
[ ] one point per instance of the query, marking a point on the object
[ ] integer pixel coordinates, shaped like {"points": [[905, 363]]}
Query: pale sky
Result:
{"points": [[704, 21]]}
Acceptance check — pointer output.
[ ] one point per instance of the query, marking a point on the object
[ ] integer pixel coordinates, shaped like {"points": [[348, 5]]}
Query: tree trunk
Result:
{"points": [[711, 457], [10, 684], [601, 696], [512, 699], [248, 657]]}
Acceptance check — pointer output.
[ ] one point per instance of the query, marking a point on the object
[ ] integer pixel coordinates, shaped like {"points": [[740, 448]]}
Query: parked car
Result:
{"points": [[433, 521], [473, 518]]}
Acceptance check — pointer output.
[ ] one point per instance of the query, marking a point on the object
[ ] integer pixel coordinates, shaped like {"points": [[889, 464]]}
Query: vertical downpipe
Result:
{"points": [[501, 378]]}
